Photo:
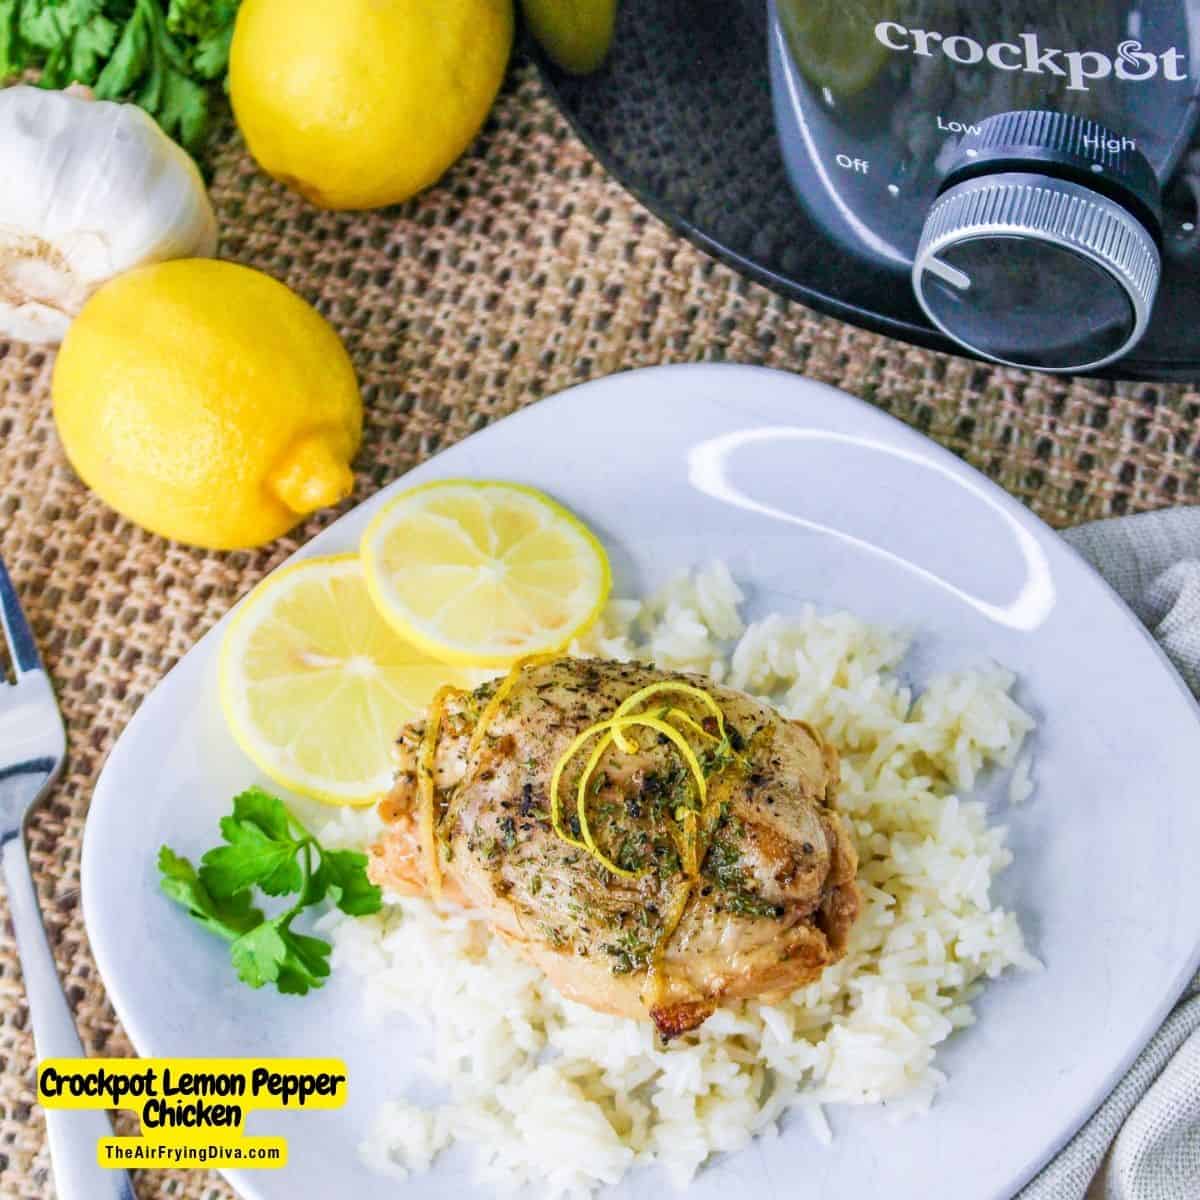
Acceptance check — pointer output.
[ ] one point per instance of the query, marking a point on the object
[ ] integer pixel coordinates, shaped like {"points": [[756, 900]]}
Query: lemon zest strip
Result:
{"points": [[502, 691], [677, 714], [612, 728], [691, 862], [655, 689], [653, 991], [428, 791], [680, 903], [555, 801], [581, 807]]}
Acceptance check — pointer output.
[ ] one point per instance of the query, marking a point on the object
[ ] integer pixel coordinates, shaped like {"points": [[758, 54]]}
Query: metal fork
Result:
{"points": [[33, 745]]}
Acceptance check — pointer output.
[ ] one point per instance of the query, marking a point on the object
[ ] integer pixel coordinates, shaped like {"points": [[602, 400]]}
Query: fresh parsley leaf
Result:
{"points": [[160, 54], [258, 807], [12, 56], [306, 965], [91, 46], [261, 851], [258, 956], [72, 37], [267, 848], [129, 59], [229, 918], [200, 18], [210, 59], [316, 887], [275, 953], [209, 26], [271, 866], [349, 886]]}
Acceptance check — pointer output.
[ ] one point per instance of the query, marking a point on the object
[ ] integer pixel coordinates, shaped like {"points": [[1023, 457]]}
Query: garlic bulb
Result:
{"points": [[90, 190]]}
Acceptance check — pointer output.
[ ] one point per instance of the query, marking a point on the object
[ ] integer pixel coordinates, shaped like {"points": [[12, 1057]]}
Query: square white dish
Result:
{"points": [[809, 495]]}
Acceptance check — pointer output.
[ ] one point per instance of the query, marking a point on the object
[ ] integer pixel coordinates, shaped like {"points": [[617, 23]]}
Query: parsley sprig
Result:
{"points": [[163, 55], [267, 848]]}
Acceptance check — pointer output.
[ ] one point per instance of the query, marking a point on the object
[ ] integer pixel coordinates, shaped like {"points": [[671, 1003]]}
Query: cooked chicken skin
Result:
{"points": [[773, 896]]}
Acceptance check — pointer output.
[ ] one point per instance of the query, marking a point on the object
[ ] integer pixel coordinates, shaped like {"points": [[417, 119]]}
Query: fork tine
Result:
{"points": [[21, 645]]}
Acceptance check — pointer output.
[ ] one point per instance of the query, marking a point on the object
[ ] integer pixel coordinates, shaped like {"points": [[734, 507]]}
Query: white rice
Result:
{"points": [[513, 1058]]}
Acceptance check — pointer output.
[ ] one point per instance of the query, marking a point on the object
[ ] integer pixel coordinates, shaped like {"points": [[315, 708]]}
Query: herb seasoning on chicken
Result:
{"points": [[655, 843]]}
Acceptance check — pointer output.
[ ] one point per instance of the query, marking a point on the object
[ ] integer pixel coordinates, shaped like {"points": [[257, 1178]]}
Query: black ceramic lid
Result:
{"points": [[682, 114]]}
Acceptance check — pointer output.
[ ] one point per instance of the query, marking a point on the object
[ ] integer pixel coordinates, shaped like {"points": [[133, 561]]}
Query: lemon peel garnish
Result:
{"points": [[502, 691], [611, 732], [658, 689], [426, 766]]}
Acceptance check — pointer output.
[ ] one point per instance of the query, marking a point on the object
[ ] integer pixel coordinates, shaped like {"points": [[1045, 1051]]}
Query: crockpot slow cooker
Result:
{"points": [[1016, 181]]}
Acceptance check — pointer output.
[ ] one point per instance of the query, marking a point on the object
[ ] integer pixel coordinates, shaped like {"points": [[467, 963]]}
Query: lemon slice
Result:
{"points": [[484, 573], [315, 683]]}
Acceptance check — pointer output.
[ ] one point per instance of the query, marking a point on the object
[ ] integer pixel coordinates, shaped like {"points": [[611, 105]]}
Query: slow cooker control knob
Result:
{"points": [[1042, 248]]}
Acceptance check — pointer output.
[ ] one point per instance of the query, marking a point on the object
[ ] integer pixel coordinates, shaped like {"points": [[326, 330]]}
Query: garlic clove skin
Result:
{"points": [[91, 189]]}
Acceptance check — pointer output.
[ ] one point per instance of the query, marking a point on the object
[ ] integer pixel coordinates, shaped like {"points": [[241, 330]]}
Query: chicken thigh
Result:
{"points": [[655, 843]]}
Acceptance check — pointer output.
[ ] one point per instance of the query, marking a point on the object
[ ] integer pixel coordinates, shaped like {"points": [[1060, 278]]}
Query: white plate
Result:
{"points": [[808, 494]]}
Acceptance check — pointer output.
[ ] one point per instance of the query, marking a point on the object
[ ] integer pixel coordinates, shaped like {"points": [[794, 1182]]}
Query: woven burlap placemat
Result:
{"points": [[525, 271]]}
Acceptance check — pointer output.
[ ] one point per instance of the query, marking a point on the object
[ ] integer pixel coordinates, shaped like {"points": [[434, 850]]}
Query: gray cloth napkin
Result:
{"points": [[1143, 1143]]}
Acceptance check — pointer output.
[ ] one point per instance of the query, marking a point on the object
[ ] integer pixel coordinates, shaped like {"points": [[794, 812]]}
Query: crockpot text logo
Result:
{"points": [[1079, 67]]}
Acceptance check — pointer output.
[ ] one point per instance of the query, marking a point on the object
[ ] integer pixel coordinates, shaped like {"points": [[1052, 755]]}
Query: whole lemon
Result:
{"points": [[576, 34], [362, 103], [208, 403]]}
